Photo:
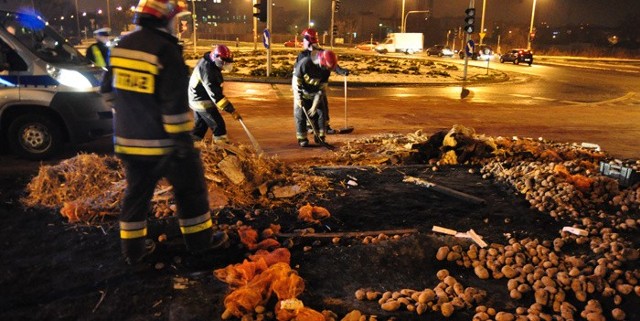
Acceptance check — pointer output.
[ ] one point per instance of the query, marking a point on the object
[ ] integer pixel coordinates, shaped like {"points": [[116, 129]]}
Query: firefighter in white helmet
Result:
{"points": [[310, 78], [206, 97], [148, 81]]}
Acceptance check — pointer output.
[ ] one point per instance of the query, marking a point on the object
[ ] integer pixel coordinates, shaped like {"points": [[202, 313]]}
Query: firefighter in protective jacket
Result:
{"points": [[205, 94], [147, 81], [311, 49], [310, 78]]}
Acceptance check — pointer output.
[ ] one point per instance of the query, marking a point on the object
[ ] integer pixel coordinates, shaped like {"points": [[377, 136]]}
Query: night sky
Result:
{"points": [[554, 12]]}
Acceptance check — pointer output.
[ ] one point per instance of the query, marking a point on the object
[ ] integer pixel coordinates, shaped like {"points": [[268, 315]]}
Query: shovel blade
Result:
{"points": [[345, 130]]}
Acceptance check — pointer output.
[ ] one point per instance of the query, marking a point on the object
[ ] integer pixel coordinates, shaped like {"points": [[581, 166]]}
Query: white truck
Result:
{"points": [[408, 42]]}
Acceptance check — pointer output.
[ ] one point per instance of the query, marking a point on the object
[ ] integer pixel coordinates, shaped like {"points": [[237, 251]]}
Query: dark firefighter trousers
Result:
{"points": [[186, 175], [209, 118], [319, 120]]}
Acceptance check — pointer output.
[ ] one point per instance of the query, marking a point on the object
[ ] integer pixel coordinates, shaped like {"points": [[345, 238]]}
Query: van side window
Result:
{"points": [[9, 59]]}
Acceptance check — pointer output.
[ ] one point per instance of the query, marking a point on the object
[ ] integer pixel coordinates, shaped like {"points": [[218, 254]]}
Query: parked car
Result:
{"points": [[49, 93], [293, 43], [440, 51], [480, 52], [367, 46], [517, 56]]}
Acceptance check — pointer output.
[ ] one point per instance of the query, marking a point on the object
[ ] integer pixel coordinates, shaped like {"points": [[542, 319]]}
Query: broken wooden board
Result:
{"points": [[444, 190]]}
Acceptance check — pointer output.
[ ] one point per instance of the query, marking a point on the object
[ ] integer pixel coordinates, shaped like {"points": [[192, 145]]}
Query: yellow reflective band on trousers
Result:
{"points": [[222, 103], [195, 224], [97, 55], [143, 151], [196, 228], [133, 230], [143, 147]]}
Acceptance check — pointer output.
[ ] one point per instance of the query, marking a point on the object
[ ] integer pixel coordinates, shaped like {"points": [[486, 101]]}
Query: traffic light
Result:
{"points": [[260, 10], [335, 30], [469, 20], [337, 7]]}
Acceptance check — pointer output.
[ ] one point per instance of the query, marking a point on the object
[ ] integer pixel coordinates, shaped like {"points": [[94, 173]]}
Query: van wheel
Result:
{"points": [[35, 136], [501, 60]]}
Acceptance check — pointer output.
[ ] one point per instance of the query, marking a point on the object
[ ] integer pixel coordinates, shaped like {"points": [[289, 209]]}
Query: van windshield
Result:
{"points": [[40, 39]]}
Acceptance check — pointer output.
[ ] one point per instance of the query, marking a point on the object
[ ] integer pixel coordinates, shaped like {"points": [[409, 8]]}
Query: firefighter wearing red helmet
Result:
{"points": [[310, 78], [146, 83], [206, 97], [311, 48]]}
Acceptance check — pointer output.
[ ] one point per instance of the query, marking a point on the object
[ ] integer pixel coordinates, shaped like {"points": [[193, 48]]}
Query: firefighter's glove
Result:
{"points": [[312, 111], [183, 146], [236, 115], [314, 107]]}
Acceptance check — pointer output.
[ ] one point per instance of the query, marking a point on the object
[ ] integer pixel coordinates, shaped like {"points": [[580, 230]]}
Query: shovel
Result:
{"points": [[315, 131], [253, 140], [346, 129]]}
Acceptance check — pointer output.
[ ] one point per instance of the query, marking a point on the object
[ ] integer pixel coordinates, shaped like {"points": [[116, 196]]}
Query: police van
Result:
{"points": [[49, 92]]}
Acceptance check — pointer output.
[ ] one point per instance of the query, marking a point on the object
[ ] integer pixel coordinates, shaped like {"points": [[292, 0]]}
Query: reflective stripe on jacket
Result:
{"points": [[148, 78], [205, 87]]}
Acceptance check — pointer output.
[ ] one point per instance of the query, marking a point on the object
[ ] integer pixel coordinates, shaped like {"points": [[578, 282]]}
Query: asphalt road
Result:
{"points": [[556, 102]]}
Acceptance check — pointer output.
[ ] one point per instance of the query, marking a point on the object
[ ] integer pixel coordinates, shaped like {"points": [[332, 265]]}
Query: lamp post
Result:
{"points": [[109, 13], [309, 21], [404, 21], [380, 26], [533, 12], [482, 33], [195, 27], [402, 18], [77, 19]]}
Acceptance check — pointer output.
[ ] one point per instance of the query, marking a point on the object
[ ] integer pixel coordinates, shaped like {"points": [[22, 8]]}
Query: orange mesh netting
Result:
{"points": [[278, 255], [242, 301], [312, 214], [581, 182], [289, 286], [240, 274]]}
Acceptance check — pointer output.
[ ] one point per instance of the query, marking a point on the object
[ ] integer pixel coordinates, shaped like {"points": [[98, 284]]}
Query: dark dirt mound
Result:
{"points": [[55, 271]]}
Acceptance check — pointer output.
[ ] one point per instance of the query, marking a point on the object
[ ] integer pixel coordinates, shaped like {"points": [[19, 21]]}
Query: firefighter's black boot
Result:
{"points": [[136, 250]]}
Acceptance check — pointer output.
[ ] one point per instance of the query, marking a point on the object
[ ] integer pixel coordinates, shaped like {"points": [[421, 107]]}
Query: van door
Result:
{"points": [[11, 65]]}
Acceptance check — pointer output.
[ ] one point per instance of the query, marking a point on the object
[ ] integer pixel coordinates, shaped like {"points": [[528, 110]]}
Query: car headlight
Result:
{"points": [[69, 78]]}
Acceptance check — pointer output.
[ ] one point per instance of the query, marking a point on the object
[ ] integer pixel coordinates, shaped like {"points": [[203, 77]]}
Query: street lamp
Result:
{"points": [[195, 20], [309, 21], [482, 33], [380, 25], [109, 13], [77, 19], [404, 21], [533, 11]]}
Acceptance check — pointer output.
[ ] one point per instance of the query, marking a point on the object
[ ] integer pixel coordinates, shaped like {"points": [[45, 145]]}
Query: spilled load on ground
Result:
{"points": [[88, 187], [446, 147]]}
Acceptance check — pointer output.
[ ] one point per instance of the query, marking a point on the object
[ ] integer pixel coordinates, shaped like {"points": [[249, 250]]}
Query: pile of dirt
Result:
{"points": [[88, 187]]}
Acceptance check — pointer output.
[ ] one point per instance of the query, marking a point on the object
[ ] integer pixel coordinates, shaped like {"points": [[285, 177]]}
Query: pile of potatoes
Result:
{"points": [[539, 270], [446, 297]]}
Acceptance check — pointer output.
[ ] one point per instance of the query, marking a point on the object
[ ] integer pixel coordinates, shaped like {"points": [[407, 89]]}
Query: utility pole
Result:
{"points": [[255, 29], [269, 24], [195, 25], [78, 19], [482, 33], [333, 13]]}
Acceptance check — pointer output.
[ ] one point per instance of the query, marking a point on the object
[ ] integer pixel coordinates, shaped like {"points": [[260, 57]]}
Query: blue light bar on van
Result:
{"points": [[69, 78]]}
